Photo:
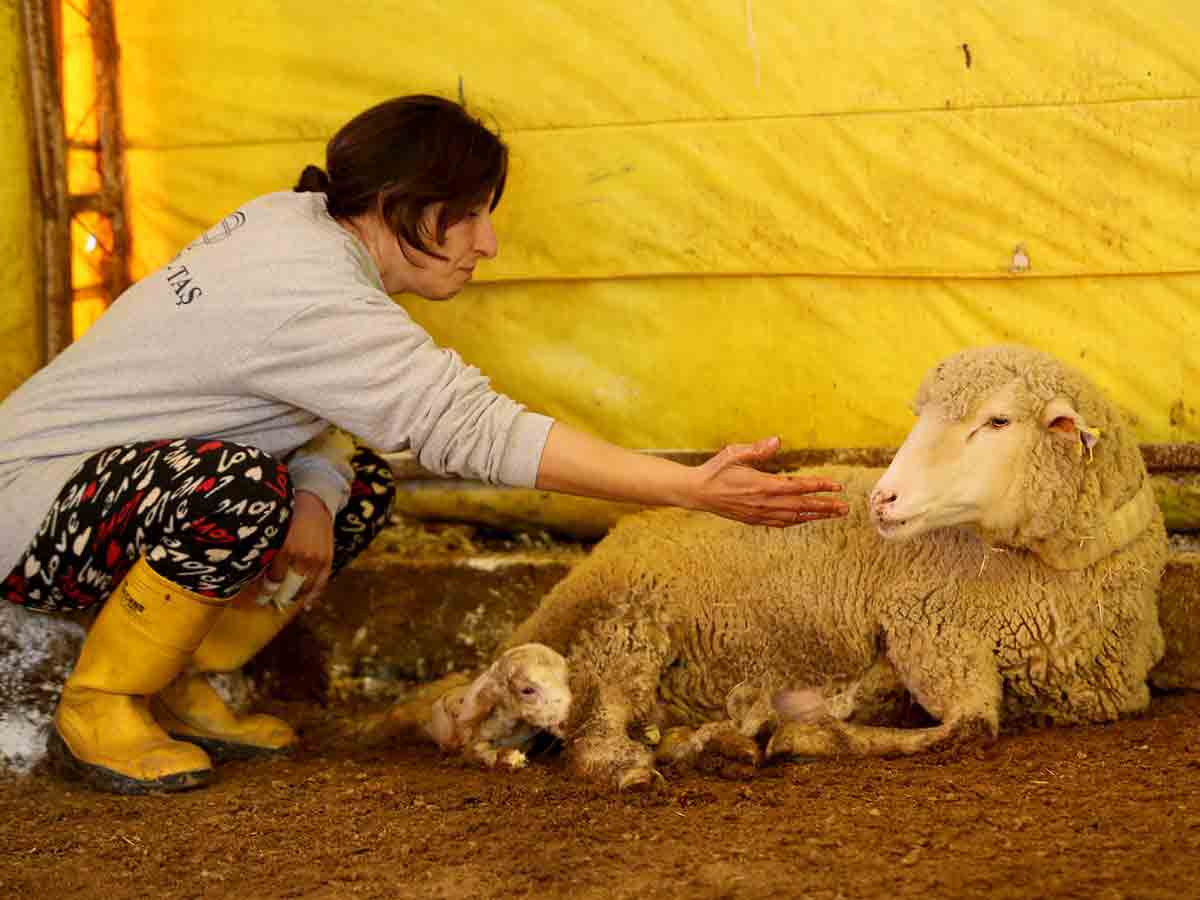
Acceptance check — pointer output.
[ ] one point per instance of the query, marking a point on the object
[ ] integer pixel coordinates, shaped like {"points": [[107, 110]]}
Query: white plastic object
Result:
{"points": [[281, 594]]}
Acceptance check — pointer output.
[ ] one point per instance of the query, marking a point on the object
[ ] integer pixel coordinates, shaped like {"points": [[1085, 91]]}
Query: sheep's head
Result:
{"points": [[535, 686], [1007, 441]]}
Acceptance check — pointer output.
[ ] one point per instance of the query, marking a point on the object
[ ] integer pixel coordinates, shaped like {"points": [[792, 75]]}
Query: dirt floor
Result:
{"points": [[1100, 812]]}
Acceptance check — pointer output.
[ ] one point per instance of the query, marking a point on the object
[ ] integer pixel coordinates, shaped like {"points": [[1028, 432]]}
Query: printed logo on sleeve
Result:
{"points": [[181, 281], [221, 230], [180, 278]]}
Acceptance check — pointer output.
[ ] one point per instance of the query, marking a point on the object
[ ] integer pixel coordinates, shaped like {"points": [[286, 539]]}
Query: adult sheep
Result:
{"points": [[1003, 568]]}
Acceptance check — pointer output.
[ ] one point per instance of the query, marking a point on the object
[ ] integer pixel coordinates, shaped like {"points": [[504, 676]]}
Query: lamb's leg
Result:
{"points": [[491, 756], [955, 680], [500, 742], [409, 718]]}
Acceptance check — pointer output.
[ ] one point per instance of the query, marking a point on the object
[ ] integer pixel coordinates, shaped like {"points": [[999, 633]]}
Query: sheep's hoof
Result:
{"points": [[639, 780], [736, 748], [676, 747], [797, 739]]}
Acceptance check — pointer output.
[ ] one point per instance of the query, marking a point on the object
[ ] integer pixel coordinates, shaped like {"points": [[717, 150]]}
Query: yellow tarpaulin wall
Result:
{"points": [[20, 342], [727, 219]]}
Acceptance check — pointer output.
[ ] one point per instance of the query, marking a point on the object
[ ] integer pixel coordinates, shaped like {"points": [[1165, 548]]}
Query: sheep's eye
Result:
{"points": [[528, 691], [999, 421]]}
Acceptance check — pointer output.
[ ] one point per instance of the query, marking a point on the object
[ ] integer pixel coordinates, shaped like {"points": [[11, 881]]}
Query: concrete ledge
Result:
{"points": [[1179, 614]]}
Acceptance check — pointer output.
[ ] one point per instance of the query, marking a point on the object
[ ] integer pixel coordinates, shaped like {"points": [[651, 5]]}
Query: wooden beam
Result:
{"points": [[111, 156], [48, 135]]}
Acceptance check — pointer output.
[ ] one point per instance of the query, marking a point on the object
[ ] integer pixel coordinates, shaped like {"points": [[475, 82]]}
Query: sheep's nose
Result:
{"points": [[881, 498]]}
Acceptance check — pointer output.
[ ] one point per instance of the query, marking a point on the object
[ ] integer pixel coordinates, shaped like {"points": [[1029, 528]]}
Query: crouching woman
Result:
{"points": [[168, 539], [152, 469]]}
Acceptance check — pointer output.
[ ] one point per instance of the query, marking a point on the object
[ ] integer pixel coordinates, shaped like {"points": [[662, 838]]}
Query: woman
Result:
{"points": [[147, 462]]}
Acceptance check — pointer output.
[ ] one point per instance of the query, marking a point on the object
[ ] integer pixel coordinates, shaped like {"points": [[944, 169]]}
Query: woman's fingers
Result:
{"points": [[773, 507], [827, 506], [279, 566], [315, 583], [732, 487], [800, 484], [784, 518], [802, 495]]}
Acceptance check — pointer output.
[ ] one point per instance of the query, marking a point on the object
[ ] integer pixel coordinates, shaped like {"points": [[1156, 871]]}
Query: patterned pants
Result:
{"points": [[208, 515]]}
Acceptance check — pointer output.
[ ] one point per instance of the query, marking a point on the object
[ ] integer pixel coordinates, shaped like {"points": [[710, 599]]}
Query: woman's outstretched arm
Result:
{"points": [[577, 463]]}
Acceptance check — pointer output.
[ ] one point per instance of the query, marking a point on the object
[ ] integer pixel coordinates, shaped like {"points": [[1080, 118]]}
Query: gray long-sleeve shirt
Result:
{"points": [[268, 328]]}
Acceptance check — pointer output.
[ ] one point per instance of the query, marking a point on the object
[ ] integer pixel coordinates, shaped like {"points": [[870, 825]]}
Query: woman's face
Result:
{"points": [[406, 270]]}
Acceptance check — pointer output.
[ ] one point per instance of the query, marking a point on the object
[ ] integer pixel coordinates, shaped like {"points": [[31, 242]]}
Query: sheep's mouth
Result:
{"points": [[894, 529]]}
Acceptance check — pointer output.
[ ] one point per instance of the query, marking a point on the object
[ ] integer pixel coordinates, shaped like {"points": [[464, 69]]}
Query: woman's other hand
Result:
{"points": [[308, 547]]}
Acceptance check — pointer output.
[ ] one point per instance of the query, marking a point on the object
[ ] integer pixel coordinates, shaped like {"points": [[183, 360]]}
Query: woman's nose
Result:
{"points": [[486, 242]]}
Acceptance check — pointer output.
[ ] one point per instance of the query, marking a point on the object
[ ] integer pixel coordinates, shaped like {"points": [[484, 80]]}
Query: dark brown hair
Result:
{"points": [[405, 154]]}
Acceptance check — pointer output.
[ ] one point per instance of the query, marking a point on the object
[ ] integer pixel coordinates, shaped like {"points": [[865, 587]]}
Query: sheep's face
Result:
{"points": [[537, 687], [966, 471]]}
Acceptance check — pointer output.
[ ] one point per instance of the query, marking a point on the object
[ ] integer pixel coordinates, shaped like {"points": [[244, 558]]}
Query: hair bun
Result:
{"points": [[313, 178]]}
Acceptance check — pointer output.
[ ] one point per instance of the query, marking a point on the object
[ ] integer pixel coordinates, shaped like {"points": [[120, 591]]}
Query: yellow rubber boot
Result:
{"points": [[191, 710], [103, 731]]}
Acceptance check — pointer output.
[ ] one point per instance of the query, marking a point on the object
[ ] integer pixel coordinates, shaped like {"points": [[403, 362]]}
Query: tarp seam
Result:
{"points": [[729, 120]]}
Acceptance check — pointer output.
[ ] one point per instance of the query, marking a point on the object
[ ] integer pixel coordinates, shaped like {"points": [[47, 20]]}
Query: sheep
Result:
{"points": [[1003, 569], [493, 718]]}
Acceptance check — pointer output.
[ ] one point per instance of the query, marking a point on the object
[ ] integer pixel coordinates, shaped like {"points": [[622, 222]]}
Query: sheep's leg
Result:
{"points": [[601, 749], [682, 746], [960, 689], [835, 738], [734, 739], [616, 686]]}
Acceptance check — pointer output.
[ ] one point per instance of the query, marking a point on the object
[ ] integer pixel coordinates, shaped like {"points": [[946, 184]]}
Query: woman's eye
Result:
{"points": [[999, 421]]}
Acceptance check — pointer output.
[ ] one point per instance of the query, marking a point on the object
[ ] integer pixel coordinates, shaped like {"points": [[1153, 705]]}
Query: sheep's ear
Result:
{"points": [[1060, 417]]}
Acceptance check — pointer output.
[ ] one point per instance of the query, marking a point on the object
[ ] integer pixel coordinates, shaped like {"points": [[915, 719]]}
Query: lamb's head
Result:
{"points": [[1014, 444], [534, 686]]}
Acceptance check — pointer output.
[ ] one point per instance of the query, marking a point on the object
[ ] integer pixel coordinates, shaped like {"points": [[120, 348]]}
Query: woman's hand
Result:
{"points": [[576, 463], [308, 547], [728, 486]]}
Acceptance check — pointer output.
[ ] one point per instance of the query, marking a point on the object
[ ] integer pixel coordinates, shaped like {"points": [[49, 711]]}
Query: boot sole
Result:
{"points": [[228, 751], [99, 778]]}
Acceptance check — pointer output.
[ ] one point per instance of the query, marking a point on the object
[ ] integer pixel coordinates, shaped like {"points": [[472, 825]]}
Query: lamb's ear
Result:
{"points": [[484, 694], [1059, 416]]}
